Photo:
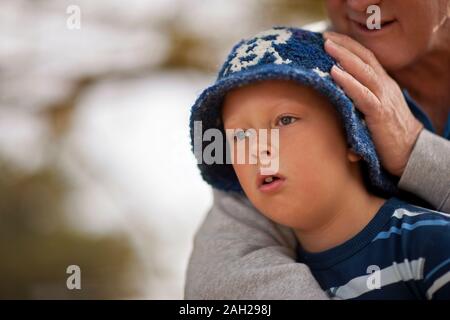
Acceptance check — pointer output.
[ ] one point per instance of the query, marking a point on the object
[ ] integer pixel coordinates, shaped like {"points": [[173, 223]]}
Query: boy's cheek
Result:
{"points": [[246, 176]]}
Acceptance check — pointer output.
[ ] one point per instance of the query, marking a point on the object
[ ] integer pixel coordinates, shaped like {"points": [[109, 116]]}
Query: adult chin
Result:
{"points": [[389, 44], [393, 54]]}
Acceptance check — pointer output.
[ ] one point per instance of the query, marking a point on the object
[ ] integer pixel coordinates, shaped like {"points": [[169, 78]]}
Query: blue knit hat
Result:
{"points": [[285, 54]]}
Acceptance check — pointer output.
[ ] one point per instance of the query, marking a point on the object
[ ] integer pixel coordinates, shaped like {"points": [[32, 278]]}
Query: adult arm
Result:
{"points": [[240, 254], [427, 173]]}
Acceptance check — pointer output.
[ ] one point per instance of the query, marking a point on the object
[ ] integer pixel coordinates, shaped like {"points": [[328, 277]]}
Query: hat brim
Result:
{"points": [[207, 109]]}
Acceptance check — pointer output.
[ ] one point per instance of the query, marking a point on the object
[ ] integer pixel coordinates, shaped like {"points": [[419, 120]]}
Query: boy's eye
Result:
{"points": [[240, 135], [286, 120]]}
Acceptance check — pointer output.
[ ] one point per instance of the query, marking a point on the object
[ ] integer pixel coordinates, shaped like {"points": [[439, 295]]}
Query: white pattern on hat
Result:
{"points": [[321, 73], [260, 47]]}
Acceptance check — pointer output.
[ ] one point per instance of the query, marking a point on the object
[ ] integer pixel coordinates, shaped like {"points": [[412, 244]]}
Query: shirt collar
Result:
{"points": [[422, 117]]}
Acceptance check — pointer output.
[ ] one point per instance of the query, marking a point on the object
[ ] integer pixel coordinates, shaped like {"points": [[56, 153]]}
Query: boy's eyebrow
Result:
{"points": [[273, 106], [287, 102], [232, 122]]}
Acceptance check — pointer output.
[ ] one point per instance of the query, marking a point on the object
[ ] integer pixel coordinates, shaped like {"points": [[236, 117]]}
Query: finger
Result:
{"points": [[351, 63], [354, 46], [364, 100]]}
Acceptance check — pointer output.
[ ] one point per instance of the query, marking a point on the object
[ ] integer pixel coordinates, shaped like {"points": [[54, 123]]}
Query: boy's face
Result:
{"points": [[316, 167]]}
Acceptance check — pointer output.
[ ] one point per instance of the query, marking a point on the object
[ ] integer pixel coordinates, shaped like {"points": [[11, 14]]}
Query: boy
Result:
{"points": [[329, 186]]}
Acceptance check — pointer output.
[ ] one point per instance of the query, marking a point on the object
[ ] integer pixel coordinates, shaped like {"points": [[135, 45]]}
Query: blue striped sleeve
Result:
{"points": [[435, 248]]}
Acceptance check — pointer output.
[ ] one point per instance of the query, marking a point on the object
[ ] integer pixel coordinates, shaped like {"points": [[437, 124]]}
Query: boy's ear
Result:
{"points": [[353, 156]]}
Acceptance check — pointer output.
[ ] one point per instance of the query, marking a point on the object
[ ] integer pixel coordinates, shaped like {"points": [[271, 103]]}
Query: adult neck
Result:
{"points": [[350, 214], [428, 82]]}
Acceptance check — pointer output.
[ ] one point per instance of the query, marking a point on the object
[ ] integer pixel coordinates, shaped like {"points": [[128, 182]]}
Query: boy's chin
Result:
{"points": [[294, 219]]}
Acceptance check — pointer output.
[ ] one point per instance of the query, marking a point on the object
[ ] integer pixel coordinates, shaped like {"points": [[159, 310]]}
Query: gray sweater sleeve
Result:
{"points": [[427, 173], [240, 254]]}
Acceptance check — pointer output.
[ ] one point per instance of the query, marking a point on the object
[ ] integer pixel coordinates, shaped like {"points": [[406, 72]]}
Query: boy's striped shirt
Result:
{"points": [[403, 253]]}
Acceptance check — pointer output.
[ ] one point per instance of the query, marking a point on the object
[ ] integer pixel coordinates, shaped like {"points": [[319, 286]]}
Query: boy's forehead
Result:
{"points": [[266, 87], [268, 90], [268, 95]]}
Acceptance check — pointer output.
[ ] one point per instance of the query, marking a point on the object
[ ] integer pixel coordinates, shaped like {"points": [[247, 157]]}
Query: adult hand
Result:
{"points": [[393, 127]]}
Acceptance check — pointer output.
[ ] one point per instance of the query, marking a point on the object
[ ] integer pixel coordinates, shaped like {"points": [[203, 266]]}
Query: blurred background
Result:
{"points": [[95, 163]]}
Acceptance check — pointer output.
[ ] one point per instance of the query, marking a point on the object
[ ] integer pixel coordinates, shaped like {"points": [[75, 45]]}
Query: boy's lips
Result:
{"points": [[270, 183]]}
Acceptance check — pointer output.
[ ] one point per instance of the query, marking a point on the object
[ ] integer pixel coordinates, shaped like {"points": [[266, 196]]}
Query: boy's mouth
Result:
{"points": [[270, 183]]}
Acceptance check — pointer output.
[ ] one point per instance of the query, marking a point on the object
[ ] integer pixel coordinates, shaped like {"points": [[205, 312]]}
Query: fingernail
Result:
{"points": [[337, 68], [328, 34], [331, 43]]}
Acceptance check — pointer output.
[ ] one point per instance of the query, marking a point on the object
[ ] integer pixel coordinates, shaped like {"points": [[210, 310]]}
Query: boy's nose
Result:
{"points": [[258, 150], [264, 150], [361, 5]]}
